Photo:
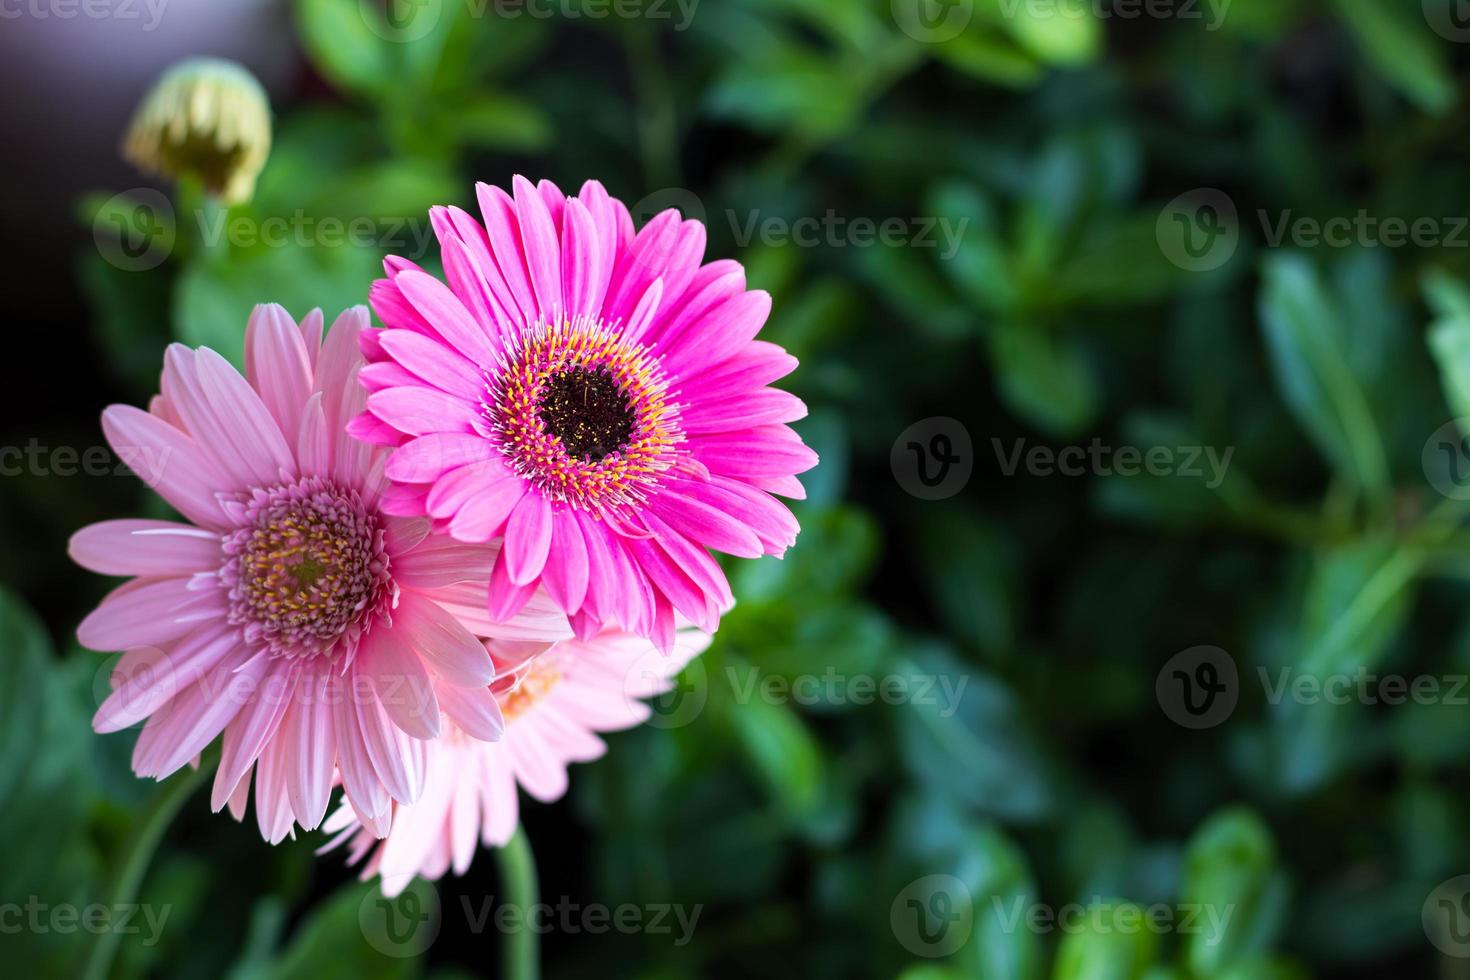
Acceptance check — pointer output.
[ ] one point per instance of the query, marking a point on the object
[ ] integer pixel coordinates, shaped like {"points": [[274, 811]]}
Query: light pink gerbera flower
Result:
{"points": [[596, 397], [290, 613], [554, 705]]}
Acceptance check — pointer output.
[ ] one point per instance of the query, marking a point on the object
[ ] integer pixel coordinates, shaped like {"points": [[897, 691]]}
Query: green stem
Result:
{"points": [[518, 876], [136, 858]]}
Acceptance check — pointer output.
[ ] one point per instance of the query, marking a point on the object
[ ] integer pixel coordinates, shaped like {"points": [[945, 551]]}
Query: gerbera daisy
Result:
{"points": [[290, 613], [597, 397], [554, 705]]}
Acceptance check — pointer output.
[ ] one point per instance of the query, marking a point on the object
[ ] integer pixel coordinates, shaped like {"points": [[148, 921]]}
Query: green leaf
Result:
{"points": [[1449, 337], [972, 577], [24, 667], [1114, 943], [502, 122], [1063, 34], [968, 739], [783, 753], [990, 58], [980, 267], [1400, 45], [332, 940], [344, 47], [1231, 878], [1043, 377], [1308, 353]]}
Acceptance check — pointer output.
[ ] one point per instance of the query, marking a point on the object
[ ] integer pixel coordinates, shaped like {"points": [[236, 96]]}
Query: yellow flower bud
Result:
{"points": [[207, 117]]}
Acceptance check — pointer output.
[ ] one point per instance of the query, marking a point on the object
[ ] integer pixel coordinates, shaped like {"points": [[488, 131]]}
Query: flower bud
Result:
{"points": [[205, 117]]}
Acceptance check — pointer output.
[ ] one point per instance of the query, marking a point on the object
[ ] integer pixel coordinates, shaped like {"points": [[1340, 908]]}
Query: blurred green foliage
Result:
{"points": [[1050, 139]]}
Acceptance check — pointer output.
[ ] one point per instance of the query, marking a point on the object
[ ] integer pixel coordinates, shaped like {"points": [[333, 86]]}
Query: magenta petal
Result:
{"points": [[442, 309], [419, 409], [566, 571], [422, 460], [434, 362], [707, 524], [528, 538], [543, 251]]}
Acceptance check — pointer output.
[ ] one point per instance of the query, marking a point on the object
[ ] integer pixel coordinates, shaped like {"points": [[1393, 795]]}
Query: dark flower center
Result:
{"points": [[587, 411]]}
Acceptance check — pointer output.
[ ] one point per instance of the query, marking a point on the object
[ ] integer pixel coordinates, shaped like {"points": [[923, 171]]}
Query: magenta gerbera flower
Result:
{"points": [[595, 397], [555, 705], [291, 613]]}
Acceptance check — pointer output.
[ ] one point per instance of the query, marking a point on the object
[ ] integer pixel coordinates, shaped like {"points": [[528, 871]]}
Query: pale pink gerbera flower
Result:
{"points": [[596, 397], [290, 613], [554, 705]]}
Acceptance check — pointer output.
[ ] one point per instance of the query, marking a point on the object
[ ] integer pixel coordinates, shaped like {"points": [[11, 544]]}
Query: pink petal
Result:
{"points": [[364, 790], [307, 732], [434, 362], [446, 646], [142, 547], [169, 461], [422, 460], [228, 418], [528, 538], [277, 364], [313, 441], [542, 250], [474, 709], [441, 308], [566, 572], [252, 729], [400, 681], [395, 757], [193, 718], [440, 561], [146, 612], [146, 679]]}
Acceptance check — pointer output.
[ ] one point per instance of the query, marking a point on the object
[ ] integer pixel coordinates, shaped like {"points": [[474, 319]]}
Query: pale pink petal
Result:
{"points": [[449, 649], [169, 461], [143, 547]]}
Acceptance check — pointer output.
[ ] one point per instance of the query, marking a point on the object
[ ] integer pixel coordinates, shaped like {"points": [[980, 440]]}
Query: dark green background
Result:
{"points": [[1060, 141]]}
